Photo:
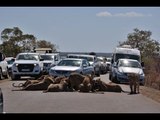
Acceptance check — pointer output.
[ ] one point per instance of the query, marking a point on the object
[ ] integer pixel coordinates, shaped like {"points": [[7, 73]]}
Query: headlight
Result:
{"points": [[119, 72], [16, 65], [35, 64]]}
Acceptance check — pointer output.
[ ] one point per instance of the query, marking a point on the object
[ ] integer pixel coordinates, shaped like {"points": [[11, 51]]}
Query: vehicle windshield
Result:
{"points": [[76, 63], [47, 57], [126, 63], [10, 61], [128, 56], [27, 57], [90, 59]]}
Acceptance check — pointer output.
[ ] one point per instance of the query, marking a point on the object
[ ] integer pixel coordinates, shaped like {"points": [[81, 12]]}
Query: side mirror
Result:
{"points": [[142, 64]]}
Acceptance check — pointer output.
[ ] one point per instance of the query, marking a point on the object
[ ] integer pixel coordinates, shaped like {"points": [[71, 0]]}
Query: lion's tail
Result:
{"points": [[19, 85]]}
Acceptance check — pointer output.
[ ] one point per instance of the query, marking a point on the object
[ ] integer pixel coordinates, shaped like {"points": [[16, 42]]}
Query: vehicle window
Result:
{"points": [[76, 63], [126, 63], [27, 57], [85, 63], [10, 62], [135, 57], [47, 57]]}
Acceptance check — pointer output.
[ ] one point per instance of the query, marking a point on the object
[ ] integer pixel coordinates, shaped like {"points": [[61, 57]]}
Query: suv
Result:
{"points": [[27, 64], [49, 60], [3, 67]]}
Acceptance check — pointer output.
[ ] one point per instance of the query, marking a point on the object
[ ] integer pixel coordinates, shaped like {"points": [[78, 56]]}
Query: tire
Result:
{"points": [[15, 77], [7, 75], [1, 75]]}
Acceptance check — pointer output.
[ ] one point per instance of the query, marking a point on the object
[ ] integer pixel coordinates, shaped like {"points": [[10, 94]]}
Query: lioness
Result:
{"points": [[31, 81], [102, 86], [75, 79], [86, 85], [42, 85], [59, 87], [134, 81]]}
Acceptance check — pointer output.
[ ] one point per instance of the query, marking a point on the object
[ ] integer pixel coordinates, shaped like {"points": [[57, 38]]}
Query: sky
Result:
{"points": [[82, 29]]}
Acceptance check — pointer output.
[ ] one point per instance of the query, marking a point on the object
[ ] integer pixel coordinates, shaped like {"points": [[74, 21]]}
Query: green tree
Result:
{"points": [[141, 39], [46, 44], [14, 42]]}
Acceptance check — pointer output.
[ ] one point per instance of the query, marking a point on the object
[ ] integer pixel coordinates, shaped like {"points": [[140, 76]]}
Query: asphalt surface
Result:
{"points": [[75, 102]]}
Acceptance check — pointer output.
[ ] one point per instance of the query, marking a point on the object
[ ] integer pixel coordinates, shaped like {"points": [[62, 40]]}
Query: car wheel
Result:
{"points": [[15, 77], [1, 75], [7, 75]]}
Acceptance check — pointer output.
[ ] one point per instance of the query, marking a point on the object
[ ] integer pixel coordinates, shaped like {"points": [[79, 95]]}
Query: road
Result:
{"points": [[75, 102]]}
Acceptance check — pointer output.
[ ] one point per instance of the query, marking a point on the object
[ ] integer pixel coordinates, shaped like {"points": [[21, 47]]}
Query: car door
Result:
{"points": [[87, 69]]}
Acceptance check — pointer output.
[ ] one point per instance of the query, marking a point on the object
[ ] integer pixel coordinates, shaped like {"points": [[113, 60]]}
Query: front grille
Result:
{"points": [[61, 72], [25, 67], [46, 64]]}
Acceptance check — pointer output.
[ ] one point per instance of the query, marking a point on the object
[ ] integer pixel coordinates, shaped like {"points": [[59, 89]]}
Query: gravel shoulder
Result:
{"points": [[150, 92]]}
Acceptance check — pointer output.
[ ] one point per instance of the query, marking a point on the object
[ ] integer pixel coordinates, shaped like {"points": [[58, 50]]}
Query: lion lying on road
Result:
{"points": [[102, 86], [59, 87]]}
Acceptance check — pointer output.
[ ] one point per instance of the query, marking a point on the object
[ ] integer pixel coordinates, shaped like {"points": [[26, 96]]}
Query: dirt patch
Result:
{"points": [[150, 92]]}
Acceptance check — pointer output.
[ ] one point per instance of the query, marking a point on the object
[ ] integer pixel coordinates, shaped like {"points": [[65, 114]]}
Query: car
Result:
{"points": [[10, 61], [49, 60], [108, 63], [3, 67], [92, 59], [1, 101], [103, 65], [125, 66], [68, 65], [27, 64]]}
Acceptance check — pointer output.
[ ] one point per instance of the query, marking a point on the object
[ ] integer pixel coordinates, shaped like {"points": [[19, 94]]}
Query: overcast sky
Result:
{"points": [[82, 29]]}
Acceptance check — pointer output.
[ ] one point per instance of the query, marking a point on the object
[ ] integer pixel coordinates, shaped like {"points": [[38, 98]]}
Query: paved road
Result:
{"points": [[75, 102]]}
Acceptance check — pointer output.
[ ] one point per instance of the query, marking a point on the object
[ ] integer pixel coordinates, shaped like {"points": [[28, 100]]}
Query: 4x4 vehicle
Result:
{"points": [[49, 60], [3, 67], [91, 59], [10, 61], [27, 64]]}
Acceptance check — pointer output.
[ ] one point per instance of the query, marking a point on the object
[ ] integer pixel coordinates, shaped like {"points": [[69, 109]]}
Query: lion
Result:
{"points": [[31, 81], [75, 79], [134, 82], [42, 85], [58, 87], [102, 86], [86, 85]]}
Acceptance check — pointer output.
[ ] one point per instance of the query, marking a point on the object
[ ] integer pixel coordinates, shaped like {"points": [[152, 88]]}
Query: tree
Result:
{"points": [[14, 42], [46, 44], [141, 39]]}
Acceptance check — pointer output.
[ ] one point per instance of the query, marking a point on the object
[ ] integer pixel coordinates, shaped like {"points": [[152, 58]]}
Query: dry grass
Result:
{"points": [[152, 70]]}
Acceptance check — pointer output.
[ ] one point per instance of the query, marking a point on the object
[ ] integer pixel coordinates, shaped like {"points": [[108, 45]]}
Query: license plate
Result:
{"points": [[25, 70]]}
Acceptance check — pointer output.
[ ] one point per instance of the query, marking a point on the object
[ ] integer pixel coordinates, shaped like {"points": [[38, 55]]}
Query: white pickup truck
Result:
{"points": [[27, 64], [3, 67]]}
